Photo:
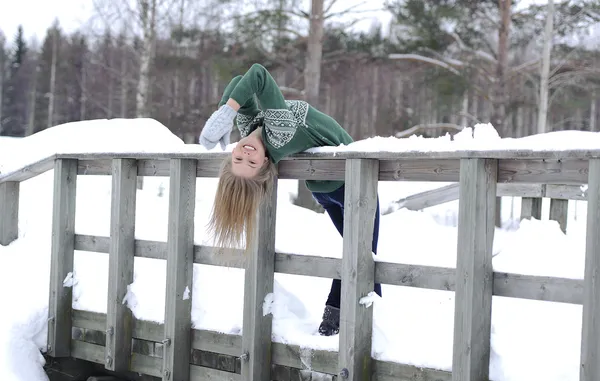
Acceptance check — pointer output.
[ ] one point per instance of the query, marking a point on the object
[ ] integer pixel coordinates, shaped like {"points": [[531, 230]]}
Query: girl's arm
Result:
{"points": [[258, 81], [249, 108]]}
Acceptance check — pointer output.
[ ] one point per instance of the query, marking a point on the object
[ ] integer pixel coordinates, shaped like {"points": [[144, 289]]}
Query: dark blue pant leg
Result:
{"points": [[333, 203]]}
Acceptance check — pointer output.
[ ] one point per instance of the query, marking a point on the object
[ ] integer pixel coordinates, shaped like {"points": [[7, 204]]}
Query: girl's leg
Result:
{"points": [[333, 203]]}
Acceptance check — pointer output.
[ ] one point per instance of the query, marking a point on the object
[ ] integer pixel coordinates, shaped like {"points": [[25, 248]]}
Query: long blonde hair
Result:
{"points": [[236, 205]]}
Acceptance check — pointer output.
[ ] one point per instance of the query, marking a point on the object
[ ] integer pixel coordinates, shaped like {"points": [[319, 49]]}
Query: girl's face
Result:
{"points": [[248, 155]]}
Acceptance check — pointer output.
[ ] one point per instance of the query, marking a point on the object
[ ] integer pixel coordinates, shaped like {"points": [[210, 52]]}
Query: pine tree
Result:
{"points": [[15, 102]]}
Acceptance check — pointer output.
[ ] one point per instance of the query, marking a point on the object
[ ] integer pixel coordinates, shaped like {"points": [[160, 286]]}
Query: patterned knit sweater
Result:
{"points": [[289, 126]]}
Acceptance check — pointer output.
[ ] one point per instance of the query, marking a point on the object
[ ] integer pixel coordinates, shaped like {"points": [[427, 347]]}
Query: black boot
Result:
{"points": [[331, 321]]}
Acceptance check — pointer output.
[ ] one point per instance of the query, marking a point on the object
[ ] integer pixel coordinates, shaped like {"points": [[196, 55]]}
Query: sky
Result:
{"points": [[75, 14]]}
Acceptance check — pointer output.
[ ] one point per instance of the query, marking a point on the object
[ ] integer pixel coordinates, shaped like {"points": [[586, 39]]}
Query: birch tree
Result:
{"points": [[545, 69]]}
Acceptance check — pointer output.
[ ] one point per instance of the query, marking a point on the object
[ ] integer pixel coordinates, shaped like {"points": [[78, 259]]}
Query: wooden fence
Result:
{"points": [[174, 351]]}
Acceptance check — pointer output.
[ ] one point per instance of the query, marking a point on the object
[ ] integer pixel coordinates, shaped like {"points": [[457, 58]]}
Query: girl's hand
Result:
{"points": [[218, 127]]}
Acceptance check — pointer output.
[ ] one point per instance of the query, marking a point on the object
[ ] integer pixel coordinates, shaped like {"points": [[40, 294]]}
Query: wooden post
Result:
{"points": [[258, 283], [180, 261], [61, 262], [474, 273], [120, 265], [559, 210], [531, 208], [9, 212], [358, 269], [590, 338]]}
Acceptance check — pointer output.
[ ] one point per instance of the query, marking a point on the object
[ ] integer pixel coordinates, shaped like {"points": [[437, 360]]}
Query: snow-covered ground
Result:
{"points": [[530, 340]]}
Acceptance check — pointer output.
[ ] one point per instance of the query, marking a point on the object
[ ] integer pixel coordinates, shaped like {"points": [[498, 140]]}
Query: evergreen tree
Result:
{"points": [[15, 101]]}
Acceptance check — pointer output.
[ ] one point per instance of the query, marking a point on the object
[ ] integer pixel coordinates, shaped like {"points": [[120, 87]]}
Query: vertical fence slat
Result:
{"points": [[258, 283], [474, 273], [531, 208], [180, 261], [120, 268], [590, 338], [9, 212], [559, 211], [62, 252], [358, 269]]}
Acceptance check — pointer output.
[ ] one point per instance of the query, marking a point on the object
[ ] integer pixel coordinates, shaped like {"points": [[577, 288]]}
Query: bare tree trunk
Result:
{"points": [[2, 68], [593, 112], [123, 82], [543, 106], [83, 98], [111, 87], [52, 79], [464, 120], [148, 18], [499, 113], [32, 97], [312, 81]]}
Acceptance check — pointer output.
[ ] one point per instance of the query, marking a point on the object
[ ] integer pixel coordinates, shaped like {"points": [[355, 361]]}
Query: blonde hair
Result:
{"points": [[236, 204]]}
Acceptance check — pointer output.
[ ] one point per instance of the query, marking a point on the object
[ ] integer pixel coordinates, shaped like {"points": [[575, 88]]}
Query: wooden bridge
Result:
{"points": [[175, 351]]}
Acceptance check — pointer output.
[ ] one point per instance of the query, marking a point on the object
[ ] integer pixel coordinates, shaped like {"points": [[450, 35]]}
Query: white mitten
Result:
{"points": [[218, 127]]}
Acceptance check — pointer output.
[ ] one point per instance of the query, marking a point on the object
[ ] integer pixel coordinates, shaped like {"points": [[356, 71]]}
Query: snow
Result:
{"points": [[530, 339]]}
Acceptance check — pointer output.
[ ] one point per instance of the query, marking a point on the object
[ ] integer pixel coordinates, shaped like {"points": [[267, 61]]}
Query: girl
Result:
{"points": [[278, 129]]}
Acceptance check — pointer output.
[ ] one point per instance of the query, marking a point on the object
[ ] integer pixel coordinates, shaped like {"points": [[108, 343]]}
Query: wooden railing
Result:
{"points": [[174, 351]]}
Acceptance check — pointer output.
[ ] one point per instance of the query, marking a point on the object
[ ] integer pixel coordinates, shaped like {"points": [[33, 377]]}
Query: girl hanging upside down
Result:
{"points": [[277, 129]]}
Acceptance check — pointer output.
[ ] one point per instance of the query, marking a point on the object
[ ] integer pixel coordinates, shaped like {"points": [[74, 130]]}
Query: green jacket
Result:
{"points": [[289, 126]]}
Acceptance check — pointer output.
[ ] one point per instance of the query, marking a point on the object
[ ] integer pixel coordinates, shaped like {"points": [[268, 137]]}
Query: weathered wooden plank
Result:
{"points": [[200, 373], [258, 286], [95, 353], [543, 171], [358, 269], [389, 371], [146, 167], [559, 210], [474, 272], [531, 208], [61, 260], [120, 265], [294, 356], [566, 192], [590, 337], [398, 274], [284, 355], [333, 154], [180, 256], [312, 169], [394, 166], [428, 198], [9, 212], [560, 290], [217, 342], [419, 170], [28, 171]]}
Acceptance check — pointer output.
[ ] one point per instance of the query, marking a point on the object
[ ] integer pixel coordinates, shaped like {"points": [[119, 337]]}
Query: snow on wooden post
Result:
{"points": [[590, 338], [258, 288], [180, 261], [9, 212], [358, 270], [61, 261], [559, 210], [120, 266], [474, 273]]}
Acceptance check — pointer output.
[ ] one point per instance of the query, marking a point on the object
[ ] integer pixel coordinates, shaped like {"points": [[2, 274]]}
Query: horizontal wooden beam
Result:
{"points": [[550, 289], [29, 171], [514, 171], [334, 154], [283, 354]]}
